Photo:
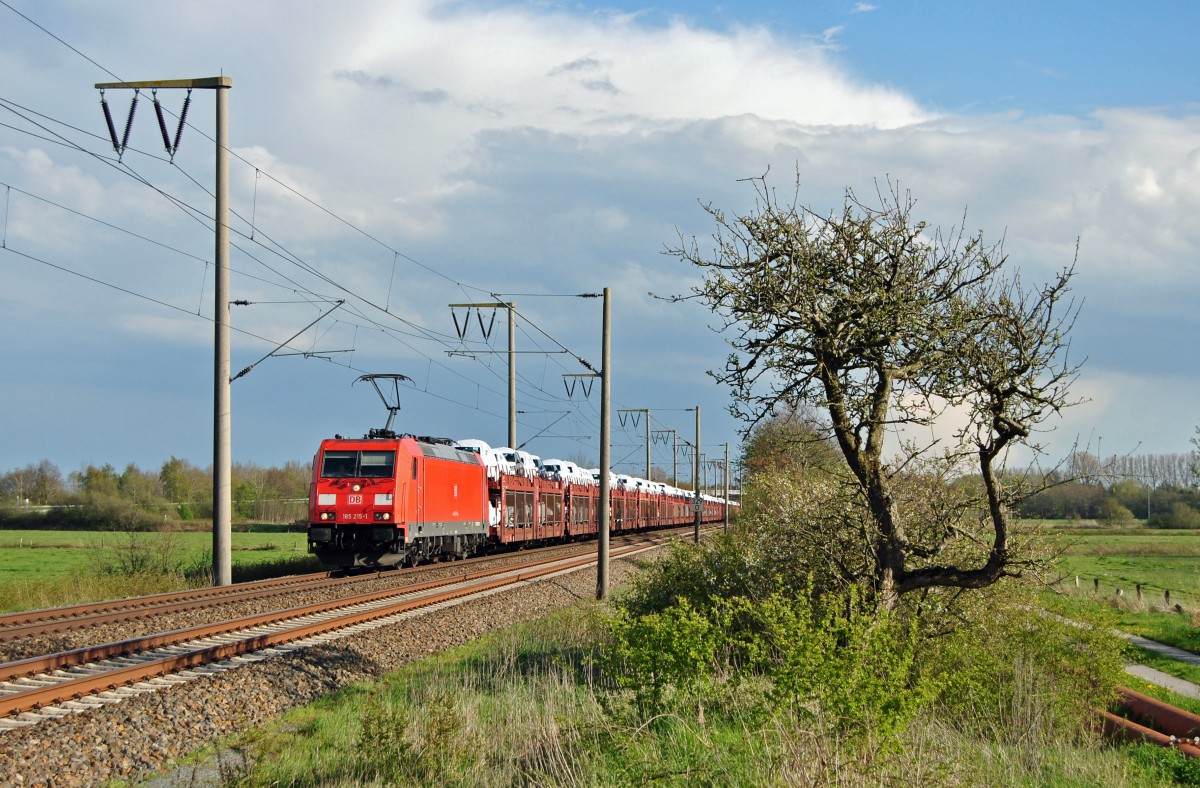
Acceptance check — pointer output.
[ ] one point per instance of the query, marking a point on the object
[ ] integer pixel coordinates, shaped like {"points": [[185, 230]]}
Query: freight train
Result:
{"points": [[388, 500]]}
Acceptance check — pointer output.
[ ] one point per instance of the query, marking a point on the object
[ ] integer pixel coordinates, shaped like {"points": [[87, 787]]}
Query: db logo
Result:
{"points": [[354, 500]]}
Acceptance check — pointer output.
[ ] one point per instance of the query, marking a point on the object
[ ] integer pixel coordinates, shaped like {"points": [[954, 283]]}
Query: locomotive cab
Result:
{"points": [[383, 501]]}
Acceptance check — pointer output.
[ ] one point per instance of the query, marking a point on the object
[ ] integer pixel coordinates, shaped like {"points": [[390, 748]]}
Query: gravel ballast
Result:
{"points": [[148, 733]]}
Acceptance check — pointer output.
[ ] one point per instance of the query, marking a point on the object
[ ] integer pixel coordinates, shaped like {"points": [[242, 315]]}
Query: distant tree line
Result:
{"points": [[1162, 489], [102, 498]]}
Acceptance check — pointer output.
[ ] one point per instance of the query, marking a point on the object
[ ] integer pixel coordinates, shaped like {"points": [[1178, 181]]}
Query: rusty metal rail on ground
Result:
{"points": [[1151, 720], [30, 687]]}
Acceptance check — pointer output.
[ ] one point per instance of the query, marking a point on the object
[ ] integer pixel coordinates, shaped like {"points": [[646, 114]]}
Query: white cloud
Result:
{"points": [[525, 148], [1127, 413]]}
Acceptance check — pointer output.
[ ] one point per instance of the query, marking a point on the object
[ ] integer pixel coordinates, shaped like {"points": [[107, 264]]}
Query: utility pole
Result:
{"points": [[512, 354], [674, 458], [649, 468], [605, 428], [647, 412], [726, 488], [696, 478], [512, 377], [222, 430], [674, 455]]}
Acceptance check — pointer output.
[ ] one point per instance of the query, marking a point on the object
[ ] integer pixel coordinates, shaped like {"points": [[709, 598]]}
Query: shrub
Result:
{"points": [[829, 657], [675, 649], [197, 568], [1115, 512], [140, 552], [1022, 676], [1180, 516], [697, 573], [108, 513]]}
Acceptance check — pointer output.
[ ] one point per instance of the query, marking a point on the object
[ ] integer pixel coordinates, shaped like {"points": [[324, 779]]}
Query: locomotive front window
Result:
{"points": [[358, 465], [339, 464], [378, 464]]}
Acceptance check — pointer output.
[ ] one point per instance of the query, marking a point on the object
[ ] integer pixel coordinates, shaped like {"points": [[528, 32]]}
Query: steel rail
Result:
{"points": [[66, 659], [66, 688], [47, 621], [1152, 720], [23, 618], [117, 615]]}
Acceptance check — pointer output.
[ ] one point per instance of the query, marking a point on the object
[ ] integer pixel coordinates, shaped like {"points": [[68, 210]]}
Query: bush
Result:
{"points": [[198, 568], [1024, 677], [696, 573], [672, 650], [830, 657], [1180, 516], [107, 513], [743, 617], [139, 553], [1114, 511]]}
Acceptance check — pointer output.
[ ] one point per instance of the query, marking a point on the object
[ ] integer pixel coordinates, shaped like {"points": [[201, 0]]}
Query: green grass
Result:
{"points": [[29, 554], [1171, 667], [1166, 566], [1148, 620], [1107, 560], [52, 568], [521, 707]]}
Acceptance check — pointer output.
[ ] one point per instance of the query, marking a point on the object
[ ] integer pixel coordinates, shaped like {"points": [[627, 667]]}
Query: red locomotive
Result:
{"points": [[389, 499], [385, 500]]}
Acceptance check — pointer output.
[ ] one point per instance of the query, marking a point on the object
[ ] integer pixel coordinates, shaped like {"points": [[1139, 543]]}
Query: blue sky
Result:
{"points": [[413, 155], [1025, 56]]}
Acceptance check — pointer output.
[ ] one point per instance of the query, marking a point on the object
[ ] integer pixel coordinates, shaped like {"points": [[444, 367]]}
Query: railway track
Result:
{"points": [[37, 632], [218, 698], [34, 623], [56, 684], [1142, 718]]}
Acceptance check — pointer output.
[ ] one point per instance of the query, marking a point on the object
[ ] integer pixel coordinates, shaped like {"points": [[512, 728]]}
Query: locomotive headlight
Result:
{"points": [[326, 515], [356, 487], [383, 515]]}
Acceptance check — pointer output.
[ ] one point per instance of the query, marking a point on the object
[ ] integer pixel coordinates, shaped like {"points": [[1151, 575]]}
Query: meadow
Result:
{"points": [[1115, 562], [52, 568]]}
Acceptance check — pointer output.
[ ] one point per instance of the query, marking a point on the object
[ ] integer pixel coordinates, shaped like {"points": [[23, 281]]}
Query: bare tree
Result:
{"points": [[38, 484], [887, 324], [1195, 457]]}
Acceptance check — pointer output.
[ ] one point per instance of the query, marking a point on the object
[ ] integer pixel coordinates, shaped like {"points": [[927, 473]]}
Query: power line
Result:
{"points": [[200, 216], [109, 225]]}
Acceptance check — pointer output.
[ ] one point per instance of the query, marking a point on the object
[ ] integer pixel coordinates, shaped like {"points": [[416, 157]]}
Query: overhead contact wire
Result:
{"points": [[196, 214]]}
